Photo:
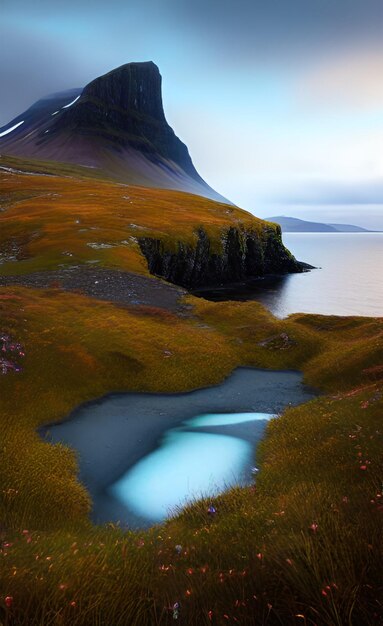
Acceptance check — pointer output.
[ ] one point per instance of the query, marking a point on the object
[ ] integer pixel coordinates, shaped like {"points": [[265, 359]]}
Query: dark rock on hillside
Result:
{"points": [[105, 284], [243, 254], [134, 87]]}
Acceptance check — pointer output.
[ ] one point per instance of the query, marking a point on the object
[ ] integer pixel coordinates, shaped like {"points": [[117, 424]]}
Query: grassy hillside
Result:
{"points": [[305, 541], [51, 221], [301, 546]]}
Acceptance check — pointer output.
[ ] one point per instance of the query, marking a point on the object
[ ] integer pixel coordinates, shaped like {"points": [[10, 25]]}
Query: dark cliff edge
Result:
{"points": [[242, 254]]}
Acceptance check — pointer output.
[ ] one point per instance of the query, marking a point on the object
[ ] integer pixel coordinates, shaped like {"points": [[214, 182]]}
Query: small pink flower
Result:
{"points": [[363, 467], [314, 527], [8, 601]]}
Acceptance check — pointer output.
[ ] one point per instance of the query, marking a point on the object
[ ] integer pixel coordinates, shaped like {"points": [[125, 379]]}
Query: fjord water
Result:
{"points": [[347, 281]]}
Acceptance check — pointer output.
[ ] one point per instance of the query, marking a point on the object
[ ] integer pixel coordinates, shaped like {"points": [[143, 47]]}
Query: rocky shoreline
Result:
{"points": [[239, 255]]}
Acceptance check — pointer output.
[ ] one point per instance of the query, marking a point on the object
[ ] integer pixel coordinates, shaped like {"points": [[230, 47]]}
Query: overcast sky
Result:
{"points": [[279, 101]]}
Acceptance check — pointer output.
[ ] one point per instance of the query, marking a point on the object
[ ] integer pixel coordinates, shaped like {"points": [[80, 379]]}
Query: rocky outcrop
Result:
{"points": [[134, 87], [240, 254]]}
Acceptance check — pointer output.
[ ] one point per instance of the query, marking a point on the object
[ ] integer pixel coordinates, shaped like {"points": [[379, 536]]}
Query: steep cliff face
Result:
{"points": [[125, 107], [134, 87], [242, 254]]}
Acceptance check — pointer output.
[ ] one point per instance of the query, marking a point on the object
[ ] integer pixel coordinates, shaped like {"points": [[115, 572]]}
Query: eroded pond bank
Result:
{"points": [[141, 454]]}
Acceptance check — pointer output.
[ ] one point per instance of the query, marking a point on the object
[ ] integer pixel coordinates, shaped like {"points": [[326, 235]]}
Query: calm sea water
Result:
{"points": [[349, 281]]}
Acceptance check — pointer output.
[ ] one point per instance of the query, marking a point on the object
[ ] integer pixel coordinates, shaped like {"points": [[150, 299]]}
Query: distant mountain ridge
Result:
{"points": [[295, 225], [115, 124]]}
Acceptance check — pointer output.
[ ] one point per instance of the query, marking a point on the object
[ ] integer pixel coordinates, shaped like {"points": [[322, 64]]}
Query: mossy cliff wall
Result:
{"points": [[241, 254]]}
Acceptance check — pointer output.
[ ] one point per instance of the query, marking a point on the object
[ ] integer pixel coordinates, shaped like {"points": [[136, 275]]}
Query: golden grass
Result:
{"points": [[259, 556], [303, 547], [57, 221]]}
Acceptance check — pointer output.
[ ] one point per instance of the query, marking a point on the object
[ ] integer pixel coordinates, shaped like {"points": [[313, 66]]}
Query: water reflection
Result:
{"points": [[251, 290], [190, 463], [225, 419], [345, 284], [271, 291]]}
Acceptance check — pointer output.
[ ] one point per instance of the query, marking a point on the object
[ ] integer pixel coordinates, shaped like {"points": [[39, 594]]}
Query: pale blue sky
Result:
{"points": [[280, 103]]}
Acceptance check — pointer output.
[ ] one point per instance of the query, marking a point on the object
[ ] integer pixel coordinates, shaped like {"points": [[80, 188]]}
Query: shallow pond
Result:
{"points": [[190, 462], [142, 454]]}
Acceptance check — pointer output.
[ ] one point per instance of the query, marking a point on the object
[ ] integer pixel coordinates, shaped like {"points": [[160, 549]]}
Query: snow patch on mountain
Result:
{"points": [[70, 103], [9, 130]]}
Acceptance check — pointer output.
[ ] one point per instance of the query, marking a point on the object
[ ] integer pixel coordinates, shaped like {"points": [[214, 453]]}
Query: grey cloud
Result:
{"points": [[278, 26], [30, 67], [336, 193], [47, 48]]}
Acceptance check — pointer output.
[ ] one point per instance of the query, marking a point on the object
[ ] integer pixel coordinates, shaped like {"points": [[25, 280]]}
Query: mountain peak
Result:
{"points": [[130, 87], [116, 124]]}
